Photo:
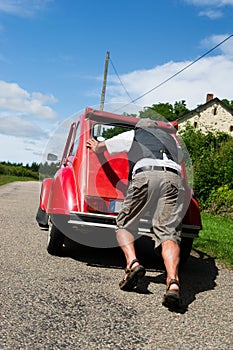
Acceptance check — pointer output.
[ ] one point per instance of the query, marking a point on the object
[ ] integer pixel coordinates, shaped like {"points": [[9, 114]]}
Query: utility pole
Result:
{"points": [[105, 81]]}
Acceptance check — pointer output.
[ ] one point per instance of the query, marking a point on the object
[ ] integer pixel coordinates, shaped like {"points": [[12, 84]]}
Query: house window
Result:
{"points": [[215, 111], [231, 128], [195, 125]]}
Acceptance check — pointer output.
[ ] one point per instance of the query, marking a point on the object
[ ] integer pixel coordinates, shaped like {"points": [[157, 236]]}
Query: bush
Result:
{"points": [[212, 158], [18, 170], [220, 201]]}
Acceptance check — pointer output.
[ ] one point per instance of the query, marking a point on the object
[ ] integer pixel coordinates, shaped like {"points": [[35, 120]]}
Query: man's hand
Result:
{"points": [[95, 146], [92, 144]]}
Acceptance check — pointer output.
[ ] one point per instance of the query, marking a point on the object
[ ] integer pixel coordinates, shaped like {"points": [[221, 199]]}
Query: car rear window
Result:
{"points": [[103, 132]]}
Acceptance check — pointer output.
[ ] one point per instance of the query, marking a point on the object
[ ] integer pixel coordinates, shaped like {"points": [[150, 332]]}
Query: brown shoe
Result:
{"points": [[171, 298], [132, 276]]}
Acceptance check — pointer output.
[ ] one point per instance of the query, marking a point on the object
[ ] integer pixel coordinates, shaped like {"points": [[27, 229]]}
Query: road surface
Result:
{"points": [[74, 302]]}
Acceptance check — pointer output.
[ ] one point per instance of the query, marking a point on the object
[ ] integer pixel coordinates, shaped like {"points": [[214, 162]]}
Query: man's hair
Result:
{"points": [[146, 123]]}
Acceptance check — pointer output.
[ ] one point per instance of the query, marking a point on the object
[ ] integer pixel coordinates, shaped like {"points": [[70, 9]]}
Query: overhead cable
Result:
{"points": [[180, 71], [120, 79]]}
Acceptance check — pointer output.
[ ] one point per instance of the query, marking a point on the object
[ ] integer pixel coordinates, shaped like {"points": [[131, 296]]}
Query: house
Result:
{"points": [[212, 116]]}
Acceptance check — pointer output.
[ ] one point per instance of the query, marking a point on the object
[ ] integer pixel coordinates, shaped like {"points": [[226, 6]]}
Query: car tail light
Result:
{"points": [[96, 205], [175, 124], [102, 205]]}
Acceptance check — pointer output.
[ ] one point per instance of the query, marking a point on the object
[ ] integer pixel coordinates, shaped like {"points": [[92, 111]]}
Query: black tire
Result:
{"points": [[42, 219], [55, 241], [185, 248]]}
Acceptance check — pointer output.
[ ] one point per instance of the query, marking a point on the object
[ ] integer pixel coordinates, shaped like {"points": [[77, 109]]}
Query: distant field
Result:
{"points": [[4, 179]]}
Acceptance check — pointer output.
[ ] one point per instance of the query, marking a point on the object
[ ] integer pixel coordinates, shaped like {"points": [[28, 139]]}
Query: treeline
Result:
{"points": [[171, 112], [36, 171], [18, 169]]}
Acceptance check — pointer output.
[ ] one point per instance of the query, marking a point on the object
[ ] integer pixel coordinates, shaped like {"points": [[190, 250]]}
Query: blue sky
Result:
{"points": [[52, 55]]}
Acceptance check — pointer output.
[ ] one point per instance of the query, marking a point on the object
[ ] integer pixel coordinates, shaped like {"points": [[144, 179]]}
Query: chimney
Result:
{"points": [[209, 97]]}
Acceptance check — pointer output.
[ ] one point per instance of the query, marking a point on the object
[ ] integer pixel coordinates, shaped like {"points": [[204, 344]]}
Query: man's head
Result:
{"points": [[144, 123]]}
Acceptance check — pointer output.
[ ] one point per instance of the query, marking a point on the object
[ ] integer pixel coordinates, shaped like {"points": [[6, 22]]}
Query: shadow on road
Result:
{"points": [[197, 274]]}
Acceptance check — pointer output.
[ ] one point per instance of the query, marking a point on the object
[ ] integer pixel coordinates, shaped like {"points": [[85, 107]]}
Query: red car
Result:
{"points": [[83, 198]]}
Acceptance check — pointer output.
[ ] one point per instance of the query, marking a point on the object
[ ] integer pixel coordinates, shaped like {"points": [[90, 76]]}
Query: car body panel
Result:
{"points": [[63, 196]]}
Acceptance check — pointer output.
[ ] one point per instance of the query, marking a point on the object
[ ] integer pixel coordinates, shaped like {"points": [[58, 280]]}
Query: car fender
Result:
{"points": [[45, 193], [192, 217], [63, 198]]}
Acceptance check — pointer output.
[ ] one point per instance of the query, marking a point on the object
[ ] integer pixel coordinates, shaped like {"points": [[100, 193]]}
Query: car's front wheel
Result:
{"points": [[55, 240]]}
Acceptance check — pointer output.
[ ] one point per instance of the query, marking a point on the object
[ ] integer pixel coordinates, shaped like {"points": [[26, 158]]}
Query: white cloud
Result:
{"points": [[20, 127], [209, 75], [23, 7], [18, 111], [14, 98], [218, 3], [212, 10], [43, 98], [212, 14], [17, 150], [226, 48], [22, 140]]}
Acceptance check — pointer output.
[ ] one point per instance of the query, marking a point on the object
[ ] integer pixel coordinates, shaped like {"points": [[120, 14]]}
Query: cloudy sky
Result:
{"points": [[52, 57]]}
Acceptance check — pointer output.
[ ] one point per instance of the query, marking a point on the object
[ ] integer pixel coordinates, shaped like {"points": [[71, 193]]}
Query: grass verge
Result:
{"points": [[5, 179], [216, 238]]}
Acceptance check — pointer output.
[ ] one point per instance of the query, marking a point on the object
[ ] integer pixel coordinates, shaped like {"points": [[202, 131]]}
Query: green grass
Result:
{"points": [[5, 179], [216, 238]]}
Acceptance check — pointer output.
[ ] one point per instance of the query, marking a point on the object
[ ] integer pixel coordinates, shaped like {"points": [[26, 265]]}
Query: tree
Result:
{"points": [[35, 167], [160, 111], [180, 108], [165, 111], [228, 103]]}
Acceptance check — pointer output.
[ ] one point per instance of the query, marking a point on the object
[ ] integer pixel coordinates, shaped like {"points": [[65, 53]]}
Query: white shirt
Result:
{"points": [[123, 142]]}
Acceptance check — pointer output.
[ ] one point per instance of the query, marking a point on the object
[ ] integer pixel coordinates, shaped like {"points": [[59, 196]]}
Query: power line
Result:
{"points": [[120, 79], [180, 71]]}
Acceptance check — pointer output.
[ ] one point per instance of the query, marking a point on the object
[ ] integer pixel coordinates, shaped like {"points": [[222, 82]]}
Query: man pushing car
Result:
{"points": [[155, 186]]}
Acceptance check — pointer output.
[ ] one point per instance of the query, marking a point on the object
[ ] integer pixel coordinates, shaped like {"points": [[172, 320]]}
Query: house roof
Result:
{"points": [[204, 107]]}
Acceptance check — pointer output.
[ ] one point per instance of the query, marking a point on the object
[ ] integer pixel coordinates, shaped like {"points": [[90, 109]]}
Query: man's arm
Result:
{"points": [[95, 146], [119, 143]]}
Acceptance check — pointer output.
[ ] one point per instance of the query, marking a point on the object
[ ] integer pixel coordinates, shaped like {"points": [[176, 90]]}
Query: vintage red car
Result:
{"points": [[83, 198]]}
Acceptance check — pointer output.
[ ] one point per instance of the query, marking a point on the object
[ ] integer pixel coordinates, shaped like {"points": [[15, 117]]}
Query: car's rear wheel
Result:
{"points": [[55, 240], [185, 248]]}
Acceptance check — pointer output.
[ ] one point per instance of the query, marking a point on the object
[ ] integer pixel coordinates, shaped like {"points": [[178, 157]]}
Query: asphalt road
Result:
{"points": [[74, 302]]}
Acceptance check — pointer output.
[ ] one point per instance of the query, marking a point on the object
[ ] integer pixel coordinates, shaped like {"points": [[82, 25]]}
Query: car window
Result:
{"points": [[76, 141], [103, 132]]}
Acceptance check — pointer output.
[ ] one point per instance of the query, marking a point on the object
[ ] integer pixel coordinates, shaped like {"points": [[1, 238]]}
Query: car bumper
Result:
{"points": [[105, 221]]}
